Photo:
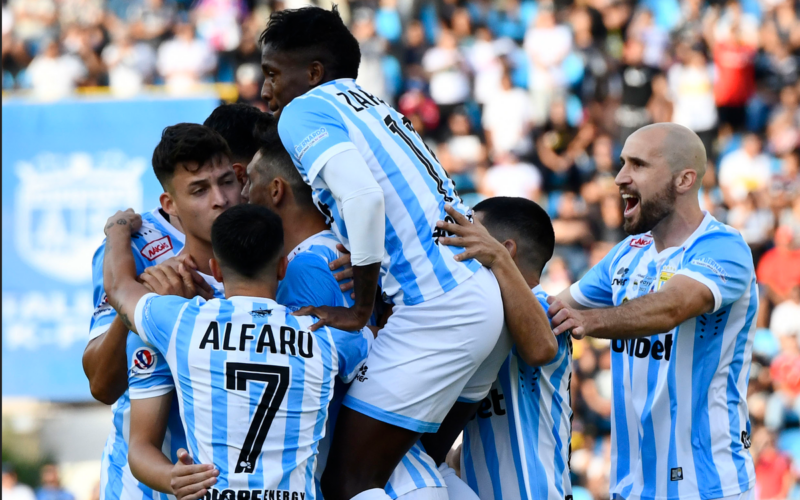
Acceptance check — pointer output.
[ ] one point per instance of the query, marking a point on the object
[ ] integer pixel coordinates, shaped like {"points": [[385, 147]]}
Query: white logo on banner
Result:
{"points": [[62, 203]]}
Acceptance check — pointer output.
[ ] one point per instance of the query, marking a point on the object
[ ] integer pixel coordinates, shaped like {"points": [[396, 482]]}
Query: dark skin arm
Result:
{"points": [[525, 318], [105, 363], [679, 299], [365, 284]]}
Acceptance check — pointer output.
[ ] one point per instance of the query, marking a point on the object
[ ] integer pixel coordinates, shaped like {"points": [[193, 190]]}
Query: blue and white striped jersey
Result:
{"points": [[517, 446], [309, 281], [246, 359], [156, 241], [680, 426], [338, 116]]}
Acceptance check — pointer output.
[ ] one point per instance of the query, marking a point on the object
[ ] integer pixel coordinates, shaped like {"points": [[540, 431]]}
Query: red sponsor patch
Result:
{"points": [[157, 248], [641, 242]]}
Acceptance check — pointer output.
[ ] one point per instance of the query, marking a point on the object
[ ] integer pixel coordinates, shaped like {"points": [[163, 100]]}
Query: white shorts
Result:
{"points": [[425, 355], [480, 384], [426, 494]]}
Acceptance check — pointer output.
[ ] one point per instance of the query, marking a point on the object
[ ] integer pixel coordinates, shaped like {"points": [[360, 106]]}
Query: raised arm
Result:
{"points": [[104, 363], [119, 267], [525, 318], [679, 299]]}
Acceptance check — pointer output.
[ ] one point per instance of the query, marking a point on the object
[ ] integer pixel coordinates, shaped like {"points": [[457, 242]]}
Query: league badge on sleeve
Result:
{"points": [[144, 361]]}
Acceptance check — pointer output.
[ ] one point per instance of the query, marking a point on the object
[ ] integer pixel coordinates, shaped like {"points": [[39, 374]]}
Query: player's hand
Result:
{"points": [[164, 280], [346, 273], [190, 481], [124, 218], [566, 320], [184, 264], [478, 244], [342, 318]]}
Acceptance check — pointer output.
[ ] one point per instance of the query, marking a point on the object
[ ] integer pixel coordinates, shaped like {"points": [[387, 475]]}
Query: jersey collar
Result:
{"points": [[172, 230], [303, 246]]}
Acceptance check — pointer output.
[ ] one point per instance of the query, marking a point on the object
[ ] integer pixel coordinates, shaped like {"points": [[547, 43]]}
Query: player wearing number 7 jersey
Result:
{"points": [[241, 359]]}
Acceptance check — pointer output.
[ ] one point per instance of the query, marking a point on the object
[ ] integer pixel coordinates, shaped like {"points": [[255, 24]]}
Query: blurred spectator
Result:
{"points": [[373, 48], [466, 149], [690, 82], [130, 65], [449, 84], [510, 177], [654, 38], [54, 75], [12, 489], [779, 269], [248, 85], [33, 21], [547, 45], [735, 82], [754, 220], [218, 22], [774, 476], [785, 319], [51, 488], [745, 170], [507, 119], [185, 60], [150, 20], [637, 89]]}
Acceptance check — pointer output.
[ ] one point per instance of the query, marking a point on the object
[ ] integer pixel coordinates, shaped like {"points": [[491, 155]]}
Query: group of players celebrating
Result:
{"points": [[312, 312]]}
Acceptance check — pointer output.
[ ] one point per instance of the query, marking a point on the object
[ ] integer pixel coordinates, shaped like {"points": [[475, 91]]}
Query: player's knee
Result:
{"points": [[343, 483]]}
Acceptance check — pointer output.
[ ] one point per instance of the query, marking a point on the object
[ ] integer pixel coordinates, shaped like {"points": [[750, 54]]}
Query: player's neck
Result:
{"points": [[200, 251], [251, 288], [299, 224], [676, 228]]}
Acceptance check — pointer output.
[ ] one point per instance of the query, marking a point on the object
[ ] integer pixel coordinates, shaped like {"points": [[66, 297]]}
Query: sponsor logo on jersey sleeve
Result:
{"points": [[641, 242], [712, 266], [144, 361], [310, 141], [157, 248]]}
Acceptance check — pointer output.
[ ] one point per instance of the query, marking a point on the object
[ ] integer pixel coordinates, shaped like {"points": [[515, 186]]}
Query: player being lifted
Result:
{"points": [[384, 192], [241, 359], [678, 300]]}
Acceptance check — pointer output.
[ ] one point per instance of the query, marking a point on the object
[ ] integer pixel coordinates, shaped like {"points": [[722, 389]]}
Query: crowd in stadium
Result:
{"points": [[531, 99]]}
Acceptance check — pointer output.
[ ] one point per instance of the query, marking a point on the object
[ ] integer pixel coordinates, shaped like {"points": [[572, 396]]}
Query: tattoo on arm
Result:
{"points": [[125, 320]]}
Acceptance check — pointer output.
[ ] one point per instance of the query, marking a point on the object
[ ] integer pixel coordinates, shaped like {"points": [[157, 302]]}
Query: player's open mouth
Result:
{"points": [[631, 202]]}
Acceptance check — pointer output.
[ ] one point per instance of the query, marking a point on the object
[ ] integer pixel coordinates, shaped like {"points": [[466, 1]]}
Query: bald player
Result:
{"points": [[678, 301]]}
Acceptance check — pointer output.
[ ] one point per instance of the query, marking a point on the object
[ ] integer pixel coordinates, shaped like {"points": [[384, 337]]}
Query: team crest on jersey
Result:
{"points": [[62, 202], [144, 361], [667, 272], [641, 242], [157, 248]]}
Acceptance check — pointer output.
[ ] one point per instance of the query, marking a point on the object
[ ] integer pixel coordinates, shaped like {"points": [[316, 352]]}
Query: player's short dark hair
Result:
{"points": [[186, 143], [275, 162], [247, 239], [320, 34], [523, 221], [237, 123]]}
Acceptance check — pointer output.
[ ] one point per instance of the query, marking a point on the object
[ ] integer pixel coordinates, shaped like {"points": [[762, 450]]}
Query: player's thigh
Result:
{"points": [[425, 355], [426, 494], [438, 444], [363, 454]]}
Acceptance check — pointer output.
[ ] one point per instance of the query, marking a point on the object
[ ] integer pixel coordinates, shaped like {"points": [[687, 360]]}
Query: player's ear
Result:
{"points": [[216, 271], [511, 246], [685, 180], [241, 172], [316, 73], [283, 263], [167, 204], [277, 191]]}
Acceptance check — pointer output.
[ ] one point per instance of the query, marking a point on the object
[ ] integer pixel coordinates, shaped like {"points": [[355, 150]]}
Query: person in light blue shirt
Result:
{"points": [[244, 358], [678, 300]]}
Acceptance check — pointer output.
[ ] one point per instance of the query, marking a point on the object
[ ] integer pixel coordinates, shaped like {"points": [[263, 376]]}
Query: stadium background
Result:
{"points": [[517, 98]]}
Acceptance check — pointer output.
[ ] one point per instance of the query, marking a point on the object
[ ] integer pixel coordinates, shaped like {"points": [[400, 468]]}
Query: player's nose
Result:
{"points": [[266, 91]]}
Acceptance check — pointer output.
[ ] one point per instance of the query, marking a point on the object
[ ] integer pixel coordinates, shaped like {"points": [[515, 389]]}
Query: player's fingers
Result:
{"points": [[467, 254], [184, 456], [578, 332], [186, 278], [149, 282], [306, 311], [189, 474], [560, 317], [347, 286], [452, 241], [568, 324], [551, 299], [343, 275], [342, 248], [193, 481], [343, 261], [451, 228], [555, 306], [173, 277], [203, 288], [460, 218]]}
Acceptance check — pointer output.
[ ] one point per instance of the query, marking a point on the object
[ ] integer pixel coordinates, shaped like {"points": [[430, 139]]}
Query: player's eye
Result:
{"points": [[199, 191]]}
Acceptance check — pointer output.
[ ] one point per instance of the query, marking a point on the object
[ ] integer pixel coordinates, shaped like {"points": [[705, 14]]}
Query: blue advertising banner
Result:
{"points": [[67, 167]]}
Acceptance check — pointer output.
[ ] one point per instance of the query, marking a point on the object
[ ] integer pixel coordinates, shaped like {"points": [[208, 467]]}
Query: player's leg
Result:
{"points": [[438, 444], [359, 439], [456, 488], [418, 366], [429, 494]]}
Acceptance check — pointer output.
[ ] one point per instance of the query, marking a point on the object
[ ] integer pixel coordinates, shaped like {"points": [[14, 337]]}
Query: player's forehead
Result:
{"points": [[644, 145], [191, 172], [275, 58]]}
